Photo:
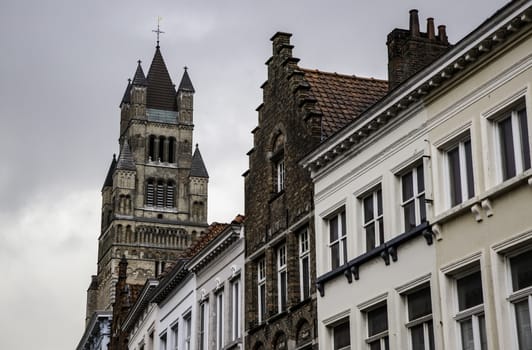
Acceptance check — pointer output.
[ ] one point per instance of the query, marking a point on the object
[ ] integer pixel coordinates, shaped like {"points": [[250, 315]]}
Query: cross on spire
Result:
{"points": [[158, 30]]}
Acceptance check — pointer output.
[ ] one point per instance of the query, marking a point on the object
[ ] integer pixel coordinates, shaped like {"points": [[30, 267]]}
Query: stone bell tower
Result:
{"points": [[154, 197]]}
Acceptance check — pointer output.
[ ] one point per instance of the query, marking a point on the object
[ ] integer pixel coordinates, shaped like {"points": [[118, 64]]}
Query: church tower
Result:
{"points": [[154, 197]]}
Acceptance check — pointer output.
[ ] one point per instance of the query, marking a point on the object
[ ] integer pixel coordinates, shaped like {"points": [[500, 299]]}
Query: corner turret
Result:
{"points": [[124, 179], [138, 93], [199, 185], [185, 99]]}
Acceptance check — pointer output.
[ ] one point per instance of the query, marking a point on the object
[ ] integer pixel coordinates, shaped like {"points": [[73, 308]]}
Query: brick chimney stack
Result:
{"points": [[411, 50]]}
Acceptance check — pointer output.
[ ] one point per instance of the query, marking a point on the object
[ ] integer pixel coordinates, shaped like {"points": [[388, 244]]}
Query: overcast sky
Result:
{"points": [[64, 66]]}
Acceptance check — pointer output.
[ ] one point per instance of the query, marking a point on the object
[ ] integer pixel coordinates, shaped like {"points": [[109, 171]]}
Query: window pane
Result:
{"points": [[524, 138], [409, 211], [333, 229], [386, 343], [454, 177], [370, 237], [344, 251], [418, 339], [522, 318], [306, 277], [376, 345], [341, 336], [422, 209], [379, 202], [342, 228], [368, 208], [283, 290], [431, 335], [467, 335], [377, 321], [335, 255], [482, 332], [419, 304], [381, 231], [408, 186], [469, 291], [469, 169], [420, 179], [521, 270], [507, 148]]}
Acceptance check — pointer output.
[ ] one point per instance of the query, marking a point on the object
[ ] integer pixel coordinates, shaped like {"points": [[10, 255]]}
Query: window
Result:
{"points": [[413, 198], [188, 330], [171, 150], [460, 172], [521, 297], [514, 147], [162, 157], [341, 337], [470, 316], [235, 309], [373, 219], [203, 333], [261, 292], [150, 192], [337, 240], [151, 148], [219, 321], [281, 278], [160, 194], [175, 337], [162, 342], [420, 320], [279, 173], [304, 264], [170, 194], [378, 328]]}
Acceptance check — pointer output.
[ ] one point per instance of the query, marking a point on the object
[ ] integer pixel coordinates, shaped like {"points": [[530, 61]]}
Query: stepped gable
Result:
{"points": [[342, 98], [197, 166], [161, 91]]}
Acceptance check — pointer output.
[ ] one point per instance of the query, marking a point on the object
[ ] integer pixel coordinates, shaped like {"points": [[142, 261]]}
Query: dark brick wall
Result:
{"points": [[269, 214]]}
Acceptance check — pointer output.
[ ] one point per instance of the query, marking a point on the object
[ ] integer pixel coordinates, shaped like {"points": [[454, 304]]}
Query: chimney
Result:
{"points": [[410, 50]]}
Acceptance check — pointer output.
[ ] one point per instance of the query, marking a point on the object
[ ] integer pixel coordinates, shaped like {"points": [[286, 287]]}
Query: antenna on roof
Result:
{"points": [[158, 30]]}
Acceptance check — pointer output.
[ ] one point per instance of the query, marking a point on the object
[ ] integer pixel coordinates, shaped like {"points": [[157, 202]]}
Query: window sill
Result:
{"points": [[160, 209], [161, 164]]}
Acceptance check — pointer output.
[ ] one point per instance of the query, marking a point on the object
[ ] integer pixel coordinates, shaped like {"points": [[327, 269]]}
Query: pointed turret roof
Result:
{"points": [[127, 93], [125, 159], [109, 178], [185, 84], [161, 90], [139, 78], [197, 167]]}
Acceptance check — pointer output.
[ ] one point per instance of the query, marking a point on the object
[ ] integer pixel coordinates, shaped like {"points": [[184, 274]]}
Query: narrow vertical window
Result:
{"points": [[513, 142], [151, 148], [203, 335], [460, 172], [378, 329], [162, 157], [171, 150], [420, 320], [304, 264], [219, 321], [521, 297], [160, 194], [175, 337], [470, 314], [373, 219], [341, 337], [280, 175], [413, 198], [337, 240], [150, 192], [261, 290], [162, 342], [281, 278], [235, 309], [188, 331], [170, 194]]}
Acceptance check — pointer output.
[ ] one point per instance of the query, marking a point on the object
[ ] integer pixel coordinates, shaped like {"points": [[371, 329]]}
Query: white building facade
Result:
{"points": [[422, 205]]}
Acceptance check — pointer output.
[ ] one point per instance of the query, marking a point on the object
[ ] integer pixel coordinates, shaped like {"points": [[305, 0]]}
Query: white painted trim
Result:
{"points": [[462, 264], [335, 319], [373, 302], [407, 287]]}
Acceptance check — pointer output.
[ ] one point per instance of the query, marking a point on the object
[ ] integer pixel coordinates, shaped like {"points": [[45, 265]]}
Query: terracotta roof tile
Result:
{"points": [[342, 98]]}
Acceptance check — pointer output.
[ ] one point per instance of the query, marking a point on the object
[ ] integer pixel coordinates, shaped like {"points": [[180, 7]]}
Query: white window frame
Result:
{"points": [[518, 143], [417, 197], [204, 325], [282, 271], [220, 319], [261, 284], [279, 173], [235, 309], [376, 217], [304, 255], [459, 143], [163, 341], [332, 327], [423, 320], [382, 336], [174, 331], [341, 240], [187, 319]]}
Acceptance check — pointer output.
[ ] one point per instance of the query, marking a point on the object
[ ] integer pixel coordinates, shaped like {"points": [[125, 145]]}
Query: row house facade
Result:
{"points": [[197, 302], [422, 204]]}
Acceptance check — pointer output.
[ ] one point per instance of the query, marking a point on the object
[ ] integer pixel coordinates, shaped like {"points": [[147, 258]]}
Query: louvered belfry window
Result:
{"points": [[170, 194], [149, 193], [160, 194]]}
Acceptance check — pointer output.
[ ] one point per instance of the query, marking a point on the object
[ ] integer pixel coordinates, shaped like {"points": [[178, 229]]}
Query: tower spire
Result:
{"points": [[158, 30]]}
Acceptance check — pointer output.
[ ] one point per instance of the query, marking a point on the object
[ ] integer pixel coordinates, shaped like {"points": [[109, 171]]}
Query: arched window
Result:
{"points": [[161, 149], [151, 148], [150, 192], [171, 150], [159, 202], [170, 194]]}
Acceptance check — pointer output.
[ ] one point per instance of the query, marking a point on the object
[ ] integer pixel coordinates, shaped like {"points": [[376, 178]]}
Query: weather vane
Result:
{"points": [[158, 30]]}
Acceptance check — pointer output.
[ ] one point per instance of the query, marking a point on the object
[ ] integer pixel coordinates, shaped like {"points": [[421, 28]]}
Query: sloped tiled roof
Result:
{"points": [[109, 178], [127, 93], [161, 91], [185, 84], [197, 166], [139, 78], [125, 159], [211, 233], [342, 98]]}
